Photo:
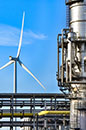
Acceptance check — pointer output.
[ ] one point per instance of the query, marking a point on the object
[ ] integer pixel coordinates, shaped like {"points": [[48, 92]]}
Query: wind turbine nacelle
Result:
{"points": [[13, 58], [10, 58]]}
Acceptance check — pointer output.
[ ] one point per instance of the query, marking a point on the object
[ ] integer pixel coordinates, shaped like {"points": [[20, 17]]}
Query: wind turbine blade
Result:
{"points": [[24, 67], [10, 62], [20, 42]]}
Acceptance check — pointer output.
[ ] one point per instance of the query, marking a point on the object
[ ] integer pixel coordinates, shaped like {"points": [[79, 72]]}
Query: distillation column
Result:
{"points": [[72, 70], [78, 23]]}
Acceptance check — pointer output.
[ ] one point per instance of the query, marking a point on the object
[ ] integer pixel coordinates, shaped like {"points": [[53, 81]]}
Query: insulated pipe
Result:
{"points": [[62, 76], [58, 53], [67, 70], [63, 30], [17, 114], [53, 112], [70, 48], [31, 114]]}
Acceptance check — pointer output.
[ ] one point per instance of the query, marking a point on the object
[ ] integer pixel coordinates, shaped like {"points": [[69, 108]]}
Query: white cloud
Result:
{"points": [[9, 36], [36, 36]]}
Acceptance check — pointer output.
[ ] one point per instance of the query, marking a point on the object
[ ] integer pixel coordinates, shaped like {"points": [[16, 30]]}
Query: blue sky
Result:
{"points": [[44, 19]]}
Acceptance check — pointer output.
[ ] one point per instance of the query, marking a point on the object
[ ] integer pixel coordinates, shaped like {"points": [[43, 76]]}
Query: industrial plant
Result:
{"points": [[71, 74], [53, 111]]}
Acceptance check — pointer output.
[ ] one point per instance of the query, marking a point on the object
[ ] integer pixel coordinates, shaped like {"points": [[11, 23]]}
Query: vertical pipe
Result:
{"points": [[55, 116], [45, 119], [70, 62], [34, 113], [58, 55], [37, 122], [30, 112], [70, 58], [62, 76], [51, 103], [67, 70], [11, 111]]}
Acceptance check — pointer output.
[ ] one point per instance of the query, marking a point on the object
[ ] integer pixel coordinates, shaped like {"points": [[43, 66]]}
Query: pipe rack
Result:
{"points": [[35, 108]]}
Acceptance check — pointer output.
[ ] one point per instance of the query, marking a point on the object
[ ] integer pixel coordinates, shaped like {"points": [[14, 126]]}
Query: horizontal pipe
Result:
{"points": [[17, 114], [77, 82], [31, 114], [31, 95], [53, 112]]}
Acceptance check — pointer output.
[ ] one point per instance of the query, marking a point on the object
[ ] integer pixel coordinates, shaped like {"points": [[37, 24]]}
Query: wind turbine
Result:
{"points": [[17, 59]]}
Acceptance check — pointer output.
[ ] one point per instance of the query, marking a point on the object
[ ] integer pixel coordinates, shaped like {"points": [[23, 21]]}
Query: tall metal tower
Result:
{"points": [[71, 73]]}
